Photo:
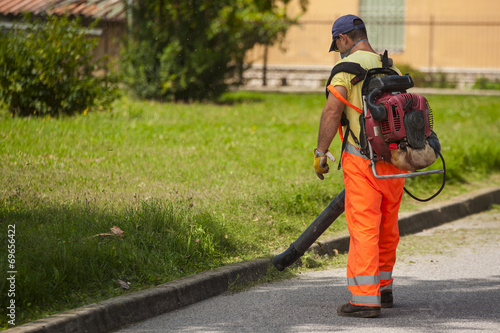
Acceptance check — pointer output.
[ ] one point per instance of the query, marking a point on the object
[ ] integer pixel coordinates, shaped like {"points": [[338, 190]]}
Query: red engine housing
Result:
{"points": [[392, 130]]}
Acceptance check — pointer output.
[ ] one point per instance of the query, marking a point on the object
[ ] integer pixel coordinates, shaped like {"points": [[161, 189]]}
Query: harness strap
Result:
{"points": [[341, 98], [346, 102]]}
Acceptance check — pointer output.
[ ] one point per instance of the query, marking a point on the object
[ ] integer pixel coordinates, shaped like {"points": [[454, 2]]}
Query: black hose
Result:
{"points": [[439, 191]]}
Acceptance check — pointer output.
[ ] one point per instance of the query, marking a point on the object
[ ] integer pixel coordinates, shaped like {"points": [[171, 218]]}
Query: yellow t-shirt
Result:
{"points": [[367, 60]]}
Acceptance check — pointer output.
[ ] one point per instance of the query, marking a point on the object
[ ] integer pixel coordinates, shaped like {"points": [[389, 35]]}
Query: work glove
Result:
{"points": [[320, 163]]}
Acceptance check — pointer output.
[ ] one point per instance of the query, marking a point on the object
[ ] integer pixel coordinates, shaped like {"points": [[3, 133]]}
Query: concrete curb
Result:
{"points": [[120, 311], [123, 310]]}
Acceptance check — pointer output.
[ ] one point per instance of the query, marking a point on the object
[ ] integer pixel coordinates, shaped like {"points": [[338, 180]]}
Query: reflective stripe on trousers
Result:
{"points": [[383, 280], [371, 208]]}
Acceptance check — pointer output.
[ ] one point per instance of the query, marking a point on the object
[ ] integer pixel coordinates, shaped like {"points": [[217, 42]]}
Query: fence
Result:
{"points": [[455, 51]]}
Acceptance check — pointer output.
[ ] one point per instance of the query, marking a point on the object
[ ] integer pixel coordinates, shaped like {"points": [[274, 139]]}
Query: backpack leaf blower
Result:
{"points": [[397, 126]]}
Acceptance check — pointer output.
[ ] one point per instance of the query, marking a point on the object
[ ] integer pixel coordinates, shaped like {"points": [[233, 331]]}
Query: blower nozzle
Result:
{"points": [[285, 259]]}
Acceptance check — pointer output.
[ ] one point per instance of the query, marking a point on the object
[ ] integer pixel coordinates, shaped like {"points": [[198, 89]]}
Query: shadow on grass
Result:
{"points": [[71, 255]]}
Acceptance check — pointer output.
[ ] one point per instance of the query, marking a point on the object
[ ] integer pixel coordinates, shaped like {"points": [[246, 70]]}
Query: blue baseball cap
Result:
{"points": [[343, 25]]}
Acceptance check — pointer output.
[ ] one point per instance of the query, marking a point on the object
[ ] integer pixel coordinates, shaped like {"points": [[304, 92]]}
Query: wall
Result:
{"points": [[309, 42], [110, 39], [456, 36], [452, 34]]}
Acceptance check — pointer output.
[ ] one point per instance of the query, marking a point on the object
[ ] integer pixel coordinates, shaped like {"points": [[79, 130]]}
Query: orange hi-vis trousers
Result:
{"points": [[371, 208]]}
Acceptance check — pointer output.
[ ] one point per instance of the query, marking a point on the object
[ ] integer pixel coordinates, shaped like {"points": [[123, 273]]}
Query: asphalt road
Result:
{"points": [[447, 279]]}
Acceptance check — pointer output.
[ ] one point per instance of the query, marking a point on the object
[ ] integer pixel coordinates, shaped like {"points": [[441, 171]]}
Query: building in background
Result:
{"points": [[458, 38], [111, 14]]}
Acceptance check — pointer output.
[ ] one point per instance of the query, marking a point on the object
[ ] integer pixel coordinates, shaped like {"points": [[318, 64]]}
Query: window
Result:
{"points": [[385, 22]]}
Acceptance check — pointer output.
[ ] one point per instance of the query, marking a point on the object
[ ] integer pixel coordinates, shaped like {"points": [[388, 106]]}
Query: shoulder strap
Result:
{"points": [[348, 67]]}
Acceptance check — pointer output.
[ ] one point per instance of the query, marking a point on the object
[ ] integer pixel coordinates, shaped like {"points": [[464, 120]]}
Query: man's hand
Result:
{"points": [[320, 162]]}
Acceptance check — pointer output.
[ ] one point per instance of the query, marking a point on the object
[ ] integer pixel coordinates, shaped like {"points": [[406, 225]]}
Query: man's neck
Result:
{"points": [[363, 46]]}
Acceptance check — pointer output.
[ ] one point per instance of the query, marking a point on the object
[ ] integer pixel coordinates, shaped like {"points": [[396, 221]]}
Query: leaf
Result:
{"points": [[123, 284], [104, 234], [117, 231]]}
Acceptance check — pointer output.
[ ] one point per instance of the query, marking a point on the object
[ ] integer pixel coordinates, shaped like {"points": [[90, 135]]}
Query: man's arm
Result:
{"points": [[330, 119]]}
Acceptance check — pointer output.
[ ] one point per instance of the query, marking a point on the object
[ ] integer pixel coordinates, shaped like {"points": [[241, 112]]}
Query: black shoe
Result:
{"points": [[387, 299], [351, 310]]}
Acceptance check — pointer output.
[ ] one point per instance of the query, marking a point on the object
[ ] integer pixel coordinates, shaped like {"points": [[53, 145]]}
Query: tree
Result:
{"points": [[47, 67], [187, 49]]}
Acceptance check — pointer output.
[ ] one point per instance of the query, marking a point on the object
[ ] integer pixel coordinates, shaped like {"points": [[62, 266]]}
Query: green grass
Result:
{"points": [[193, 187]]}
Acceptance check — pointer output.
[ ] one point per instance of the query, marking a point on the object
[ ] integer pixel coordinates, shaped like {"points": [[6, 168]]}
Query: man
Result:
{"points": [[371, 204]]}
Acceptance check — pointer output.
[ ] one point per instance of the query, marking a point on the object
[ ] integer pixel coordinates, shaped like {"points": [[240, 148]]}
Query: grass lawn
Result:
{"points": [[191, 186]]}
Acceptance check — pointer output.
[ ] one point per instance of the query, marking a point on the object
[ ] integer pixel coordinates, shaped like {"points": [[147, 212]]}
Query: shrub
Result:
{"points": [[48, 68], [484, 83], [188, 50], [426, 80]]}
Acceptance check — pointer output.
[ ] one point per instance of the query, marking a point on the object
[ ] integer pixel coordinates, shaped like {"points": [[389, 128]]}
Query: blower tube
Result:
{"points": [[311, 234]]}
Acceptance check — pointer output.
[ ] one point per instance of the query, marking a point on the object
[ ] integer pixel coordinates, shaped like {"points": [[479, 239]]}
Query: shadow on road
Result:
{"points": [[309, 305]]}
